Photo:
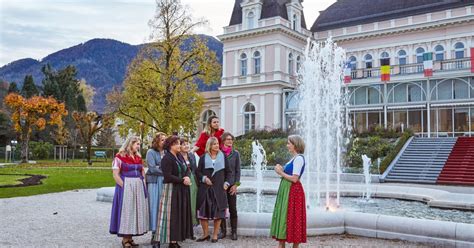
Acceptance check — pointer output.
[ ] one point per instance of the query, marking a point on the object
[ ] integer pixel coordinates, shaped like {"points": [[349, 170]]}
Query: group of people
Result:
{"points": [[179, 192], [176, 193]]}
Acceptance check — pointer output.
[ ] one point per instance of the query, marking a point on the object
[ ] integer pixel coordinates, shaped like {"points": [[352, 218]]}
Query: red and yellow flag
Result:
{"points": [[385, 70]]}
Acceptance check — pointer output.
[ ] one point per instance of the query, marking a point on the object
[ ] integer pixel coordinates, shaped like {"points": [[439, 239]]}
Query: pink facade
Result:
{"points": [[257, 57]]}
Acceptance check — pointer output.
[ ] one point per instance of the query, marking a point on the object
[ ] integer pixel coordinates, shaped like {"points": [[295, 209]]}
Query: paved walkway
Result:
{"points": [[76, 219]]}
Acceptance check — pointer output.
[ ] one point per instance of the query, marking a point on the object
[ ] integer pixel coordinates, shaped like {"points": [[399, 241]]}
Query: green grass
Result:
{"points": [[60, 178], [11, 179], [75, 163]]}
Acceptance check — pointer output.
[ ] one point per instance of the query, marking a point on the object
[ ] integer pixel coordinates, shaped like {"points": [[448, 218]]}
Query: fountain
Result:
{"points": [[366, 164], [323, 116], [259, 164]]}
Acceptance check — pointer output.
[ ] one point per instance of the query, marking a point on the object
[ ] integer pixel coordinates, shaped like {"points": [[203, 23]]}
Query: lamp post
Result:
{"points": [[12, 156], [83, 153]]}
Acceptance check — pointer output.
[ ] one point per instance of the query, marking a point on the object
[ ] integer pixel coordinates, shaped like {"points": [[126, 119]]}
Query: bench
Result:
{"points": [[101, 154]]}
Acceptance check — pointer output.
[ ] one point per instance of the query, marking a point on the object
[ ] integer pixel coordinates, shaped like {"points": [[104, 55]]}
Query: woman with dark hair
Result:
{"points": [[233, 158], [154, 178], [174, 216], [212, 129], [289, 215], [190, 161], [130, 205], [212, 173]]}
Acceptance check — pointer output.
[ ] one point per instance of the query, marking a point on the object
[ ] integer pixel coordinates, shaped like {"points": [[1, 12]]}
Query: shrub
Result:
{"points": [[275, 149], [264, 134], [389, 133], [41, 150]]}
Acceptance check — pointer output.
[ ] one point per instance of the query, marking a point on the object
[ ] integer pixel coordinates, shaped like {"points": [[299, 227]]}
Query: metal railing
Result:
{"points": [[415, 68]]}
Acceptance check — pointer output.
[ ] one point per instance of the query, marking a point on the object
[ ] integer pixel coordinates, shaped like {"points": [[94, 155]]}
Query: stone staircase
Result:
{"points": [[421, 161]]}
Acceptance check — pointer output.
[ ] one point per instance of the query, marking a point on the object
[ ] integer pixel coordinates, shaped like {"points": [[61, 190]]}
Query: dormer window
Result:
{"points": [[250, 20], [295, 21]]}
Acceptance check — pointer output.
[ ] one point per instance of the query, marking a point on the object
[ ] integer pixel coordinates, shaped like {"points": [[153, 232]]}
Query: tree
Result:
{"points": [[160, 86], [13, 88], [89, 124], [106, 137], [6, 133], [33, 113], [63, 86], [88, 93], [29, 88]]}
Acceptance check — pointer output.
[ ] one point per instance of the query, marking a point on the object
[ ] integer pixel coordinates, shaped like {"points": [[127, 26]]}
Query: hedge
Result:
{"points": [[276, 151]]}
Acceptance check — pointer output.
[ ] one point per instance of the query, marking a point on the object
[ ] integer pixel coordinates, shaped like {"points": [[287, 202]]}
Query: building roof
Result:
{"points": [[270, 8], [345, 13]]}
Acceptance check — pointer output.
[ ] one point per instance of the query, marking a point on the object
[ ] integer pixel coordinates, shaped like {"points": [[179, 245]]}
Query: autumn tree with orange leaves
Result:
{"points": [[33, 113]]}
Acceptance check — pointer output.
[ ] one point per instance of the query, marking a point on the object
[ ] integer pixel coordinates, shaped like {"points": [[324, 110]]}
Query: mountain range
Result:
{"points": [[101, 62]]}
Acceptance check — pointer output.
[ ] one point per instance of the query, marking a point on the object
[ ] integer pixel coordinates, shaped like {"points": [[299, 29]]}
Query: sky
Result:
{"points": [[37, 28]]}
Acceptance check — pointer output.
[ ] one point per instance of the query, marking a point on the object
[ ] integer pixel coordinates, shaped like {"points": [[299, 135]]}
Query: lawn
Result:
{"points": [[60, 177], [10, 179]]}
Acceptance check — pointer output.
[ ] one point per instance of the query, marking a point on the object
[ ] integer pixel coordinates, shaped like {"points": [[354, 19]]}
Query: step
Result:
{"points": [[406, 169], [455, 183], [434, 178], [458, 179]]}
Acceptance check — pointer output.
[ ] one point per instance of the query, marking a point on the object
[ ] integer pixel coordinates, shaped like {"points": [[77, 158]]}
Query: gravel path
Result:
{"points": [[76, 219]]}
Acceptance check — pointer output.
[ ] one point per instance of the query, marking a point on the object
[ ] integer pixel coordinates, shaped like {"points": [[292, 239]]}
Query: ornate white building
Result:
{"points": [[263, 51]]}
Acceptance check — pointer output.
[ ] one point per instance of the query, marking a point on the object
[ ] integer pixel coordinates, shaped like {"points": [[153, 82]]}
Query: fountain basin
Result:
{"points": [[319, 221]]}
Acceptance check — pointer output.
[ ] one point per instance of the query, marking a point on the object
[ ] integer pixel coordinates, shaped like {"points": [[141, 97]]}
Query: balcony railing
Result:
{"points": [[417, 68]]}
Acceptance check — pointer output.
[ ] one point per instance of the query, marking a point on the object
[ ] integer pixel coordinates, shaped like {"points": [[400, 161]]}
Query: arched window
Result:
{"points": [[368, 61], [439, 52], [250, 20], [384, 55], [256, 62], [353, 63], [298, 64], [459, 50], [249, 117], [243, 64], [208, 113], [419, 54], [402, 57], [290, 64], [295, 21]]}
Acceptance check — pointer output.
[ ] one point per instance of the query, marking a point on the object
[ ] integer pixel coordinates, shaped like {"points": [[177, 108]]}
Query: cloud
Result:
{"points": [[36, 28]]}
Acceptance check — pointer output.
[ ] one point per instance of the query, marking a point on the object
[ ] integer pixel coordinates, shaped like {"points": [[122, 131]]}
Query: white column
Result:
{"points": [[262, 65], [248, 77], [235, 115], [277, 67], [224, 66], [262, 111], [277, 113], [385, 124], [223, 113], [428, 107], [236, 67]]}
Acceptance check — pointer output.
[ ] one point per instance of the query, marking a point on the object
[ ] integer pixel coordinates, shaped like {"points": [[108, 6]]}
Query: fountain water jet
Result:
{"points": [[259, 164], [366, 165], [323, 111]]}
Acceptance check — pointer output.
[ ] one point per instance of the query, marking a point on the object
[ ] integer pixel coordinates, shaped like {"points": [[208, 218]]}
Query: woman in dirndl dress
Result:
{"points": [[130, 205], [289, 215], [174, 217], [190, 161], [154, 179], [213, 173]]}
